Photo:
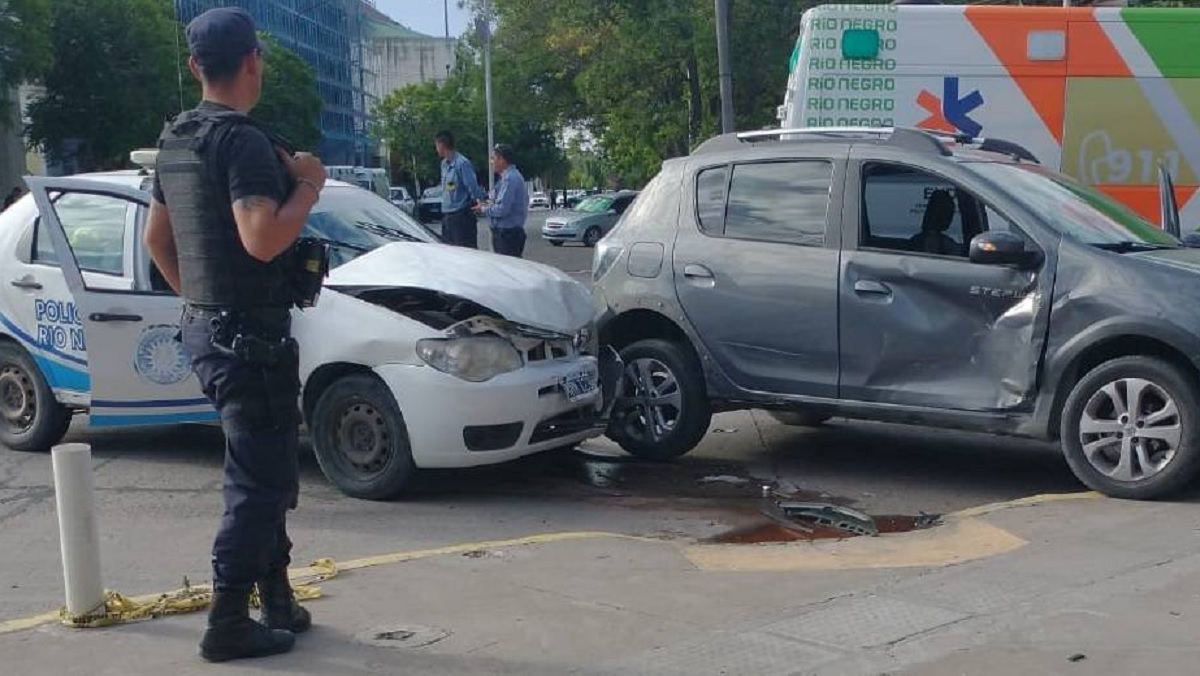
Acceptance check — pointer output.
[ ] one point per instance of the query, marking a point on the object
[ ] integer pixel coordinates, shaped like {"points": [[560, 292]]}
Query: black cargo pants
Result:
{"points": [[261, 419]]}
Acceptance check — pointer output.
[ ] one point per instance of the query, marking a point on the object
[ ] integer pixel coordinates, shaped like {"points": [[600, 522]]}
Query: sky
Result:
{"points": [[426, 16]]}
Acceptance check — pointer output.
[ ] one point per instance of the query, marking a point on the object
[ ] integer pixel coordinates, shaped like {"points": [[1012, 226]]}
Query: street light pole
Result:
{"points": [[485, 29], [725, 71]]}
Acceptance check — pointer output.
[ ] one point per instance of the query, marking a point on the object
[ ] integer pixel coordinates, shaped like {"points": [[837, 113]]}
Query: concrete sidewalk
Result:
{"points": [[1099, 587]]}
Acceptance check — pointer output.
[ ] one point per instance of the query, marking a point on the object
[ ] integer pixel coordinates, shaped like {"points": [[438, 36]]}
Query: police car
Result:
{"points": [[416, 355]]}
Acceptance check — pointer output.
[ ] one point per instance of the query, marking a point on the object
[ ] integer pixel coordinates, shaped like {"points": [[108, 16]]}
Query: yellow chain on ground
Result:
{"points": [[119, 609]]}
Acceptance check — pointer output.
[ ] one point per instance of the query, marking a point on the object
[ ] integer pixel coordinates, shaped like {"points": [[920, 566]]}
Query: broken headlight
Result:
{"points": [[472, 358]]}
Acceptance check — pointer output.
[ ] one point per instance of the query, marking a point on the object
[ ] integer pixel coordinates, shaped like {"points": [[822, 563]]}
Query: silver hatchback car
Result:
{"points": [[909, 277]]}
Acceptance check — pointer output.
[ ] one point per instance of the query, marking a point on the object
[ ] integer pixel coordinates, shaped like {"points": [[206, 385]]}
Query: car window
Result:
{"points": [[906, 209], [95, 228], [779, 202], [711, 186]]}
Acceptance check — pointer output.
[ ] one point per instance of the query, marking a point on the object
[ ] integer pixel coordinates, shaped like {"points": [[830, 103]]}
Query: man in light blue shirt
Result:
{"points": [[509, 206], [460, 192]]}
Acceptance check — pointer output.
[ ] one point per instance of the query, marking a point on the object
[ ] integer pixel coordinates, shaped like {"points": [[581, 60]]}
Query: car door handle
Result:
{"points": [[693, 271], [867, 287], [113, 317], [27, 283]]}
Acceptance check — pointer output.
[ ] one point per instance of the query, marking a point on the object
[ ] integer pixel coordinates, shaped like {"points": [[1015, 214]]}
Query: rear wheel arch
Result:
{"points": [[635, 325]]}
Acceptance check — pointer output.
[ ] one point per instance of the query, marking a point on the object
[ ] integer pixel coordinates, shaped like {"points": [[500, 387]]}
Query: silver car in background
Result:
{"points": [[589, 221]]}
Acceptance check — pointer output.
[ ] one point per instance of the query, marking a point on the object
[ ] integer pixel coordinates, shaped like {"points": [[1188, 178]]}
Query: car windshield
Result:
{"points": [[595, 205], [1081, 212], [432, 192], [357, 221]]}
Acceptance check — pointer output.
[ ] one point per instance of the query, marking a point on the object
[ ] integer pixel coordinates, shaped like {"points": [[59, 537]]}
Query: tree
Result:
{"points": [[409, 118], [112, 83], [26, 51]]}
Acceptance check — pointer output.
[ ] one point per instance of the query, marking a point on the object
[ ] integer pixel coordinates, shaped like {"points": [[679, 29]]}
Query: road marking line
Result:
{"points": [[983, 510], [963, 538], [319, 571], [958, 541]]}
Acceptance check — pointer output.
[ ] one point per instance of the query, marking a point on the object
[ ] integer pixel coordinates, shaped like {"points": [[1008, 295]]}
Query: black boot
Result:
{"points": [[279, 607], [232, 635]]}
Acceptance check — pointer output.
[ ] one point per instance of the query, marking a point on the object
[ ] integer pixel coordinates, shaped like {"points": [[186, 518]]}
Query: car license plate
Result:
{"points": [[581, 385]]}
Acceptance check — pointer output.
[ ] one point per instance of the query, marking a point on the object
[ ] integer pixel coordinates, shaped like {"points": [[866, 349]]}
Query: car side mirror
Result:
{"points": [[1192, 240], [1002, 248]]}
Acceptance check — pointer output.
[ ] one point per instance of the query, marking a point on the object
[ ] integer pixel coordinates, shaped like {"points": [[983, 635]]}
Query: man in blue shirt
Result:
{"points": [[460, 192], [509, 206]]}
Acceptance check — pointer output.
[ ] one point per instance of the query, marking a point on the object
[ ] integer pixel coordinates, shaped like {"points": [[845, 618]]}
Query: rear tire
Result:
{"points": [[360, 439], [31, 419], [1131, 428], [662, 409]]}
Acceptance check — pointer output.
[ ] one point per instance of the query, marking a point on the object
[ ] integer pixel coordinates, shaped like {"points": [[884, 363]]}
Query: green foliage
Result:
{"points": [[120, 71], [642, 76], [112, 83], [409, 118], [26, 51]]}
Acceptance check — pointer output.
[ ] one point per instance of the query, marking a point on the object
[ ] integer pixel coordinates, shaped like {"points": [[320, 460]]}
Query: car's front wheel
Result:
{"points": [[31, 419], [662, 410], [361, 440], [1131, 428]]}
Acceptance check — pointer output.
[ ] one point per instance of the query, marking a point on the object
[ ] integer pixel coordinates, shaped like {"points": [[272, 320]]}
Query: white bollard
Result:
{"points": [[73, 494]]}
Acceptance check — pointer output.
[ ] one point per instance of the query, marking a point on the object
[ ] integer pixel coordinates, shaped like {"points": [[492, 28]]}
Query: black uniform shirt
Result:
{"points": [[245, 155]]}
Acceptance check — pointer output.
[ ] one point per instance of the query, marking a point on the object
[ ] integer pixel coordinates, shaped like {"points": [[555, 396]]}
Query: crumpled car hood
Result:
{"points": [[523, 292]]}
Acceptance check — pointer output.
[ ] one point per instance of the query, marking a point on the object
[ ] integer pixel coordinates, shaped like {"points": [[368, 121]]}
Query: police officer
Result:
{"points": [[229, 203], [460, 192]]}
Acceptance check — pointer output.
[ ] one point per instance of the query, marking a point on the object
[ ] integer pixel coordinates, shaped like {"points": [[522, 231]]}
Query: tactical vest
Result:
{"points": [[214, 268]]}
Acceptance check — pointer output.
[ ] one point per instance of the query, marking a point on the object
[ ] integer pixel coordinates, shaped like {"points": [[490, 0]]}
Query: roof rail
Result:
{"points": [[920, 140]]}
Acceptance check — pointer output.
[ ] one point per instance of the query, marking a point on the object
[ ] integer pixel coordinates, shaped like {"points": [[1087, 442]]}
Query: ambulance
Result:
{"points": [[1107, 95]]}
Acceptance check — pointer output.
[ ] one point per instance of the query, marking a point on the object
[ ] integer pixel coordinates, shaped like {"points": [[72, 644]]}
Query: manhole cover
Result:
{"points": [[408, 636]]}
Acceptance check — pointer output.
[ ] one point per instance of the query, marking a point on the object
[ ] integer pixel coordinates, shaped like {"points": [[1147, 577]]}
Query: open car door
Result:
{"points": [[139, 372]]}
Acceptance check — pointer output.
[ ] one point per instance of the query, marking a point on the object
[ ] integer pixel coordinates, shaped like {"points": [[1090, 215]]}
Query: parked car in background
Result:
{"points": [[539, 200], [589, 221], [401, 198], [429, 207], [905, 276]]}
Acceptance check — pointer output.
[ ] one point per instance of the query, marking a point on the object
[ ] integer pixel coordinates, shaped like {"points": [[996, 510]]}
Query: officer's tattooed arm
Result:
{"points": [[160, 242], [268, 228]]}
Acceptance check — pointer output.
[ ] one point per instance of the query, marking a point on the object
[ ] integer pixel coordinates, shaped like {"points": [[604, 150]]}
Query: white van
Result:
{"points": [[373, 179]]}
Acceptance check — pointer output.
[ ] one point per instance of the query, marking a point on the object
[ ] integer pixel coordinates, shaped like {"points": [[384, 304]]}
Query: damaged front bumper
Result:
{"points": [[453, 423]]}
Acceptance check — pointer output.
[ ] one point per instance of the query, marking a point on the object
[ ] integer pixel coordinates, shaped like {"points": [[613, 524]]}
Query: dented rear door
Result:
{"points": [[933, 329]]}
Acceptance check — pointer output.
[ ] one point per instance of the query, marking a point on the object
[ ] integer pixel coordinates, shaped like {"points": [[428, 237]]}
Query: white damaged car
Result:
{"points": [[417, 355]]}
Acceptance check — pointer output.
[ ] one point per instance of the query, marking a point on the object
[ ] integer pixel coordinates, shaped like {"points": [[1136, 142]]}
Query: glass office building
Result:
{"points": [[329, 35]]}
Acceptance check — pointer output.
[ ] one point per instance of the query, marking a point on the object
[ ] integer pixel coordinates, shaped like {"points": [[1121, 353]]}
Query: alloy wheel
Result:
{"points": [[1130, 429]]}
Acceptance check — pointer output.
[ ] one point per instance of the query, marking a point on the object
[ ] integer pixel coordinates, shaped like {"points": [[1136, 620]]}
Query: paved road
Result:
{"points": [[158, 496]]}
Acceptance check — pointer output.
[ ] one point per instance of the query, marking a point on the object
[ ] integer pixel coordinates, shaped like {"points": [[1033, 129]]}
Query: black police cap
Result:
{"points": [[222, 34]]}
